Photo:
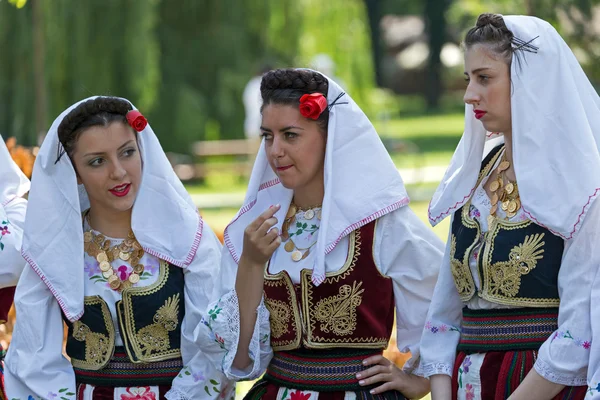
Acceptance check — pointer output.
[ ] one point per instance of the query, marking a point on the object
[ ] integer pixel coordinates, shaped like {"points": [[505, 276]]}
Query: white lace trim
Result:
{"points": [[550, 374], [413, 366], [176, 394], [436, 369], [231, 334]]}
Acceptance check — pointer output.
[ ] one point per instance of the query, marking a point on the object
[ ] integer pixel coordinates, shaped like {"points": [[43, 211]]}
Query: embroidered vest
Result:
{"points": [[518, 262], [352, 308], [149, 322]]}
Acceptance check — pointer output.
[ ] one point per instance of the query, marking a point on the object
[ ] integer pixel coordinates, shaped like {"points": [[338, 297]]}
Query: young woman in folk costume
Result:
{"points": [[322, 252], [13, 185], [514, 289], [117, 250]]}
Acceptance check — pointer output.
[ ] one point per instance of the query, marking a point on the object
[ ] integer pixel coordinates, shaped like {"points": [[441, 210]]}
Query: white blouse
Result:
{"points": [[35, 365], [404, 249], [12, 219], [563, 357], [594, 367]]}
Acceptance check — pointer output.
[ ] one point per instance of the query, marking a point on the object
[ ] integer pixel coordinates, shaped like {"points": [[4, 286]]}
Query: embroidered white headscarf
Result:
{"points": [[555, 134], [361, 183], [13, 183], [164, 220]]}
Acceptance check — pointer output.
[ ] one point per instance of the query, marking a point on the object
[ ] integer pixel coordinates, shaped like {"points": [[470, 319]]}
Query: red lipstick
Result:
{"points": [[479, 113], [121, 190]]}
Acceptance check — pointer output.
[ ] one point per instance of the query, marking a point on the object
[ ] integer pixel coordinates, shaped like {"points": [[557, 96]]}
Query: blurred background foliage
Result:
{"points": [[185, 63]]}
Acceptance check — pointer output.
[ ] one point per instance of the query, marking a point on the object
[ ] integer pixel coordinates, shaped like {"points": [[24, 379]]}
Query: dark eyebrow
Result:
{"points": [[287, 128], [100, 153], [475, 71]]}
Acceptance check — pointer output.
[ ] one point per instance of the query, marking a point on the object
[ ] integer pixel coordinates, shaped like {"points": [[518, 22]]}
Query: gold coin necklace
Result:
{"points": [[292, 227], [505, 196], [99, 247]]}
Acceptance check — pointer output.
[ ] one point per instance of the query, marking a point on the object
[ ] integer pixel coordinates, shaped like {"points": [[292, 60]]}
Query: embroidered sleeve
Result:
{"points": [[564, 357], [410, 254], [200, 378], [441, 331], [224, 328], [35, 367], [220, 327], [12, 218], [594, 365]]}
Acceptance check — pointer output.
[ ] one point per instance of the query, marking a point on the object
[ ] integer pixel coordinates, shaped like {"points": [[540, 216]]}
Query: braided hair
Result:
{"points": [[491, 30], [286, 86], [101, 111]]}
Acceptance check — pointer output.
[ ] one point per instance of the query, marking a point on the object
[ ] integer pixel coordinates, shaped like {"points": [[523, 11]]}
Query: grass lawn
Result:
{"points": [[431, 139]]}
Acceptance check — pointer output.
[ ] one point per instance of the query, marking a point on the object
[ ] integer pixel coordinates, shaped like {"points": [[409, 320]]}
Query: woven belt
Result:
{"points": [[319, 370], [121, 372], [506, 330]]}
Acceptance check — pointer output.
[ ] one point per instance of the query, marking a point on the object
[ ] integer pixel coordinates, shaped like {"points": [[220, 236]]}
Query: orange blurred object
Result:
{"points": [[22, 156]]}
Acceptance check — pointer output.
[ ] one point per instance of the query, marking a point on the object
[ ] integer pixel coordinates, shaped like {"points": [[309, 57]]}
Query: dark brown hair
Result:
{"points": [[101, 111], [491, 30], [286, 86]]}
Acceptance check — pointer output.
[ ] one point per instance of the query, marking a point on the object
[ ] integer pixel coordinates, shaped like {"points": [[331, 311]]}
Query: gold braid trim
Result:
{"points": [[99, 348]]}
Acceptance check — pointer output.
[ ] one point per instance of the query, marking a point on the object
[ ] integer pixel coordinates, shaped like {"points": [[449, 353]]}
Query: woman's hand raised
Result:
{"points": [[261, 239]]}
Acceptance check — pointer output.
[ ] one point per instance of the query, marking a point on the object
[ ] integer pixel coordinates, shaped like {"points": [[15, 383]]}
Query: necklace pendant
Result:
{"points": [[494, 186], [105, 266], [289, 246], [309, 214], [510, 187], [296, 255], [134, 278], [291, 211], [109, 274]]}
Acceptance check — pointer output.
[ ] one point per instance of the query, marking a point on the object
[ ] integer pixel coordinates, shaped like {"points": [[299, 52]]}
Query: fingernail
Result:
{"points": [[364, 362], [372, 391], [358, 376], [271, 206], [277, 205], [361, 382]]}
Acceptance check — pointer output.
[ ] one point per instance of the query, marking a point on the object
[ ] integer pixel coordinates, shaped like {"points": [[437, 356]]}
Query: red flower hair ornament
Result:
{"points": [[136, 120], [312, 105]]}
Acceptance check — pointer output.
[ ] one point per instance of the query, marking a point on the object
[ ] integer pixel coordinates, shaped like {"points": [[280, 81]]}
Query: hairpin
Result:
{"points": [[334, 102], [523, 45]]}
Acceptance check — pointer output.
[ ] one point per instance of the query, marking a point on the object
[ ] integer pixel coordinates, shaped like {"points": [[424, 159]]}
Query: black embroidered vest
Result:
{"points": [[149, 319], [518, 262]]}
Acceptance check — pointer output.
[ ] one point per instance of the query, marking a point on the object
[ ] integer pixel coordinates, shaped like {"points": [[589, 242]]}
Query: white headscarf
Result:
{"points": [[361, 183], [555, 134], [165, 220], [13, 183]]}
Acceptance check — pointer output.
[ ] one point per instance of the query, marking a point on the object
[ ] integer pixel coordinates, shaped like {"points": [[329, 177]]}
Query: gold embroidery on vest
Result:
{"points": [[278, 280], [279, 313], [338, 313], [136, 350], [462, 276], [99, 348], [155, 337], [506, 275], [461, 271], [97, 345], [530, 249], [313, 341]]}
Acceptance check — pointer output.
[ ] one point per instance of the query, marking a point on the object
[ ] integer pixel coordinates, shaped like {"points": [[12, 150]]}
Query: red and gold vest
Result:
{"points": [[352, 308]]}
